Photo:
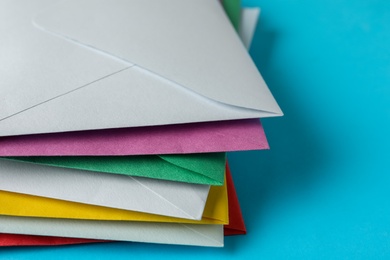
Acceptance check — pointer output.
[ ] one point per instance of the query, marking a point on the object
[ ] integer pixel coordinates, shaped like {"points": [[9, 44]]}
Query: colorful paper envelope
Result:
{"points": [[171, 139], [167, 198], [192, 168], [236, 224], [84, 228], [17, 204], [235, 227], [31, 240], [233, 11]]}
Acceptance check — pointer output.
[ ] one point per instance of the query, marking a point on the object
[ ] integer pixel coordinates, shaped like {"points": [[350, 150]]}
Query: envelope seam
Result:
{"points": [[181, 167], [199, 95], [66, 93], [90, 47], [80, 44], [169, 202], [203, 235], [171, 82]]}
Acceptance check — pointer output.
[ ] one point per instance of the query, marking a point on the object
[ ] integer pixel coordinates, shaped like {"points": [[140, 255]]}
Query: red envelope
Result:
{"points": [[236, 226], [27, 240]]}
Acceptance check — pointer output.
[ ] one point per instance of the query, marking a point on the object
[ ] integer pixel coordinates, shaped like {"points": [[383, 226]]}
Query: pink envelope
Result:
{"points": [[222, 136]]}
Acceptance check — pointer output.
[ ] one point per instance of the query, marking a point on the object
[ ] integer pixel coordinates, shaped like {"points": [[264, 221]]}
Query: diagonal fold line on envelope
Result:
{"points": [[74, 41], [103, 189], [169, 202], [100, 51], [172, 83], [207, 237], [145, 70], [32, 59], [216, 210], [195, 197], [147, 44], [199, 95], [198, 65], [66, 93], [119, 83], [215, 173], [192, 168]]}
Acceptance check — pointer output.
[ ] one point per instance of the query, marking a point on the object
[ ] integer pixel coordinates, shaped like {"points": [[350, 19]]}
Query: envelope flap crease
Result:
{"points": [[167, 38]]}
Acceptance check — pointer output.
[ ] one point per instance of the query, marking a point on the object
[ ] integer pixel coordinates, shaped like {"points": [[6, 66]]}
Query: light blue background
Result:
{"points": [[323, 190]]}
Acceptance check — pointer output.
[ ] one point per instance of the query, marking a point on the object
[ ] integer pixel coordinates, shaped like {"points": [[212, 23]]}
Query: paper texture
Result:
{"points": [[110, 190], [192, 168], [115, 69], [173, 139], [215, 212], [163, 233]]}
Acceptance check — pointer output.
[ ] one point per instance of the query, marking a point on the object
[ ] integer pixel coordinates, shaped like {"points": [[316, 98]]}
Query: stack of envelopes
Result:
{"points": [[116, 116]]}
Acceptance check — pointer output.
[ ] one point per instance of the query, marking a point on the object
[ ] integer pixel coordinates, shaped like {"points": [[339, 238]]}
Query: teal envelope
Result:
{"points": [[205, 168]]}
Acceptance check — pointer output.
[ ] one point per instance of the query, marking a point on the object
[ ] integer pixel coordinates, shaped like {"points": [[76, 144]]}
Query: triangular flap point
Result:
{"points": [[212, 62]]}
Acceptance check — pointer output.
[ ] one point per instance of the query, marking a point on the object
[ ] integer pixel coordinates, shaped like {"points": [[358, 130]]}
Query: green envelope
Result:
{"points": [[206, 168], [233, 11]]}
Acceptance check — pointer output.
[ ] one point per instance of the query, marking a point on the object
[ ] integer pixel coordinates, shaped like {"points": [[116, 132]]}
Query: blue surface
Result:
{"points": [[323, 190]]}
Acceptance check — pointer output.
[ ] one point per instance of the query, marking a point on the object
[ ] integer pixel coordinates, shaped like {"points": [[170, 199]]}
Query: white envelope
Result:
{"points": [[162, 233], [168, 198], [96, 64], [248, 24]]}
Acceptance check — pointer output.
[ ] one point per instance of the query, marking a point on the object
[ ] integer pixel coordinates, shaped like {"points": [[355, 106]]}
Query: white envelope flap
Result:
{"points": [[36, 67], [83, 65], [182, 200], [190, 43]]}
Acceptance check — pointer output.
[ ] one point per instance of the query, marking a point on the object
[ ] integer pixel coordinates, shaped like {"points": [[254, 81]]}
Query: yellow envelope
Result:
{"points": [[16, 204]]}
